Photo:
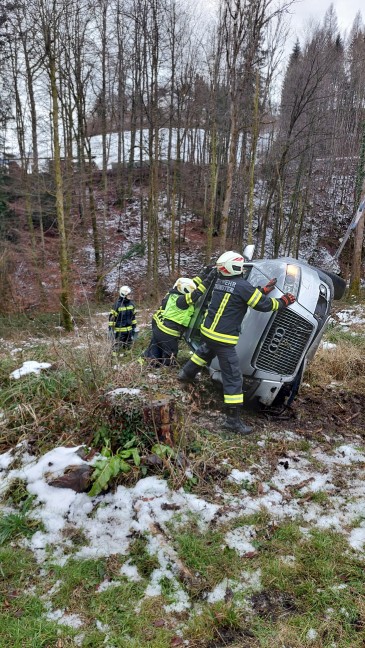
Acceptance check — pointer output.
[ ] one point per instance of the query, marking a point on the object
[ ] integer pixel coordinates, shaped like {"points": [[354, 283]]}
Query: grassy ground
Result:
{"points": [[298, 584]]}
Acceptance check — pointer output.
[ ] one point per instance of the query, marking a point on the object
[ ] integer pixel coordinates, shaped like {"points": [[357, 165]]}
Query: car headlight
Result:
{"points": [[292, 279], [323, 290]]}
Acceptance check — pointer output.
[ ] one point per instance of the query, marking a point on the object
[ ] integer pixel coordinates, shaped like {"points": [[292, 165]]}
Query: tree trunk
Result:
{"points": [[254, 140], [35, 165], [213, 194], [64, 263], [232, 161], [355, 281]]}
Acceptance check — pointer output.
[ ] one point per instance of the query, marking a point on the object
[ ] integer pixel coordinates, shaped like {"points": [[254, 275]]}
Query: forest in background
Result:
{"points": [[282, 157]]}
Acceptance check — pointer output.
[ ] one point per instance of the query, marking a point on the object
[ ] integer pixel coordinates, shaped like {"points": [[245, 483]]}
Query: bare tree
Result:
{"points": [[243, 23], [50, 14], [355, 283]]}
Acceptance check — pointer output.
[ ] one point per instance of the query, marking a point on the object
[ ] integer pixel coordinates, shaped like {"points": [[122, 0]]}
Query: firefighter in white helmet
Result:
{"points": [[173, 317], [122, 320], [231, 297]]}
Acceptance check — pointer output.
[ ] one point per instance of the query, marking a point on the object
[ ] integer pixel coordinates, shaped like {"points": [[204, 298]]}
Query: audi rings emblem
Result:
{"points": [[276, 339]]}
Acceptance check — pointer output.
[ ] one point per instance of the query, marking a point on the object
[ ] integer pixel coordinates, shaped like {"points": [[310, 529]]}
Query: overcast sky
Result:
{"points": [[303, 11]]}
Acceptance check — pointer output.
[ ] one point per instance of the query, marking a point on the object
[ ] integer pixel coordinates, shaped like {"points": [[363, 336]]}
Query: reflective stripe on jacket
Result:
{"points": [[228, 306], [176, 310], [122, 317]]}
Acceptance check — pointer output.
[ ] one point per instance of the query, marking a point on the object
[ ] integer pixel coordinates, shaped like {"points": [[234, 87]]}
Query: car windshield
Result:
{"points": [[269, 269]]}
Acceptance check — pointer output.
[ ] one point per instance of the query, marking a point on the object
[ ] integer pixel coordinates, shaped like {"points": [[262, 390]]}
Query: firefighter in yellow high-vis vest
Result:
{"points": [[173, 318], [231, 297]]}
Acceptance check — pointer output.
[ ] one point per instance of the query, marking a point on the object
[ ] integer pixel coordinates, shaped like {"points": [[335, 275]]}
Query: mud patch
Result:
{"points": [[272, 604]]}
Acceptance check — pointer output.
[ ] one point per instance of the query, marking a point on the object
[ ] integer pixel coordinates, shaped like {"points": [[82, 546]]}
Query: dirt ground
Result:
{"points": [[316, 413]]}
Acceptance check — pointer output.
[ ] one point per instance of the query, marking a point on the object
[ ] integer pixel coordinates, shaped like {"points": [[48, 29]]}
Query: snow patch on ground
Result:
{"points": [[351, 316], [240, 539], [123, 390], [6, 459], [30, 366], [109, 522], [357, 538], [238, 476], [130, 572], [249, 581], [108, 526], [327, 346], [71, 620]]}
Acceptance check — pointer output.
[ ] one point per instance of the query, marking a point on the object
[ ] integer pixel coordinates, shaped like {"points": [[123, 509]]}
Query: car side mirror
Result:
{"points": [[248, 252]]}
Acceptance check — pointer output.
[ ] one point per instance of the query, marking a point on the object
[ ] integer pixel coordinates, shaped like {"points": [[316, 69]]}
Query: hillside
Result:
{"points": [[32, 286], [125, 255], [220, 541]]}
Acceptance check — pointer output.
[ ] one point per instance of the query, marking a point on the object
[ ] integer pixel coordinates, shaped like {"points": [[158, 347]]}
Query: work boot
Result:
{"points": [[184, 377], [234, 423]]}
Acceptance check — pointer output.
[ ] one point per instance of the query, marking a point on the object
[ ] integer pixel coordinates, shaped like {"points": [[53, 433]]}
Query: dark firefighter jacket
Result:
{"points": [[122, 317], [228, 305], [174, 314]]}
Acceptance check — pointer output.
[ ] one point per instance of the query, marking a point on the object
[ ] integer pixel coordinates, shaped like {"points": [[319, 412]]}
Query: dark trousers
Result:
{"points": [[162, 349], [122, 340], [229, 365]]}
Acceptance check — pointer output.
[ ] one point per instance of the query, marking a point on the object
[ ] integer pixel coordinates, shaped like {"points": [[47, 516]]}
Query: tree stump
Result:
{"points": [[161, 416], [130, 408]]}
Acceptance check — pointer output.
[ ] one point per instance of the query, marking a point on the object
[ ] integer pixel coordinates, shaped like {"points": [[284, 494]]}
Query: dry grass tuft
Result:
{"points": [[344, 363]]}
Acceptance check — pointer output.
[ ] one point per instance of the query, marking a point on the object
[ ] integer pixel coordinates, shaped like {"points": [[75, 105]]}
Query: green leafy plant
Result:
{"points": [[129, 423], [102, 436], [163, 451], [112, 465], [190, 483]]}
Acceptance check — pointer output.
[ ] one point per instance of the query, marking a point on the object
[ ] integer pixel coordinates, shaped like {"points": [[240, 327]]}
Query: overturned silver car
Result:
{"points": [[274, 348]]}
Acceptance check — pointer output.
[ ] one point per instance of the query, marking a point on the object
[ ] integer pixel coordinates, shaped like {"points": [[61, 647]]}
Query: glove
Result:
{"points": [[287, 299], [205, 272], [210, 277], [269, 286]]}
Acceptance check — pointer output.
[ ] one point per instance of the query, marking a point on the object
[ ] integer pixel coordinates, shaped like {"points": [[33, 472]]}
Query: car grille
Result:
{"points": [[284, 344]]}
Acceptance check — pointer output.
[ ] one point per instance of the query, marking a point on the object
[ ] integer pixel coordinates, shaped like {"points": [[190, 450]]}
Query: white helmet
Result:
{"points": [[230, 263], [124, 291], [184, 285]]}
